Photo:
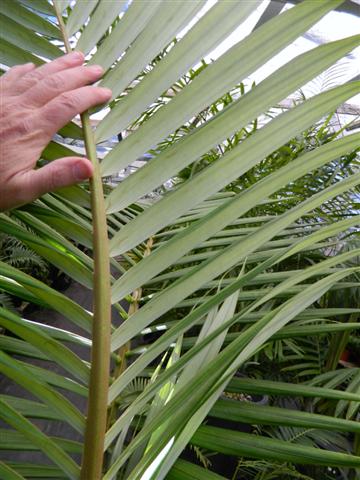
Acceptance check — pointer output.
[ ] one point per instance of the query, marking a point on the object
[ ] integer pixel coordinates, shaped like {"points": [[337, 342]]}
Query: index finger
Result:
{"points": [[32, 77], [59, 111], [60, 82]]}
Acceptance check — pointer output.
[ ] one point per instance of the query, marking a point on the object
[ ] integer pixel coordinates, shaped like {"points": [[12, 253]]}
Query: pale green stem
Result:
{"points": [[95, 430]]}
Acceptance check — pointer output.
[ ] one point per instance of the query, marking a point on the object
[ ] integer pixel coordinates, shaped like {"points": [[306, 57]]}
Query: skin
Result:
{"points": [[34, 104]]}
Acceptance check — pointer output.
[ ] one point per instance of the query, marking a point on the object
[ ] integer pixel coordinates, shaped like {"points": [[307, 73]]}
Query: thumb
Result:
{"points": [[63, 172]]}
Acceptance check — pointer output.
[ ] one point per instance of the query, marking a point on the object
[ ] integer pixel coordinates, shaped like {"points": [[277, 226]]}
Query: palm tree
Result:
{"points": [[200, 266]]}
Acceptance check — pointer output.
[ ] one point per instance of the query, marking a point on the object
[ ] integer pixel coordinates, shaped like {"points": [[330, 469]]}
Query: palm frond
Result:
{"points": [[233, 260]]}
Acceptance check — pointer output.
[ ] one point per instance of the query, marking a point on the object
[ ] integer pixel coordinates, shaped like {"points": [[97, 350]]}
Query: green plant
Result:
{"points": [[15, 253], [198, 266]]}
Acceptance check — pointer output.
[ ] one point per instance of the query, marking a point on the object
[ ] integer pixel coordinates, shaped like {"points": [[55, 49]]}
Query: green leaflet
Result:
{"points": [[125, 32], [21, 374], [224, 260], [217, 219], [30, 431], [242, 59], [29, 19], [49, 296], [42, 6], [12, 55], [253, 446], [15, 440], [24, 38], [229, 167], [54, 252], [288, 332], [238, 114], [197, 223], [79, 15], [221, 20], [157, 347], [183, 470], [258, 387], [62, 4], [29, 408], [100, 21], [7, 473], [53, 349], [181, 406], [75, 229], [266, 415], [169, 19]]}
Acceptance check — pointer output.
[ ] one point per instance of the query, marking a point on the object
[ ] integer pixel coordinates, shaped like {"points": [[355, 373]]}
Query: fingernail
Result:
{"points": [[106, 91], [81, 171], [97, 69], [77, 55], [29, 65]]}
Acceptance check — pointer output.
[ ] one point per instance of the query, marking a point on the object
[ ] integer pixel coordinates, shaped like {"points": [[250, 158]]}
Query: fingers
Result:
{"points": [[53, 85], [63, 172], [62, 109], [39, 102], [73, 59], [30, 185], [15, 73], [34, 76]]}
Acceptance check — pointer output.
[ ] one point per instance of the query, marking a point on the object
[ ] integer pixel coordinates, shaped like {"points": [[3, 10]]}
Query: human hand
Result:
{"points": [[35, 103]]}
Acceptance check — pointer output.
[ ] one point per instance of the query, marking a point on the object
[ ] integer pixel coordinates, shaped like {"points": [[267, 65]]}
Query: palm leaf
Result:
{"points": [[202, 265]]}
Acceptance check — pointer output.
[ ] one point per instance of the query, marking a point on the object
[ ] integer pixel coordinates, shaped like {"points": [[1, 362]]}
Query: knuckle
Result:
{"points": [[68, 100], [24, 194], [6, 111], [57, 176], [50, 114], [52, 179], [27, 83], [53, 82], [18, 127], [35, 76], [24, 126], [58, 111], [22, 190]]}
